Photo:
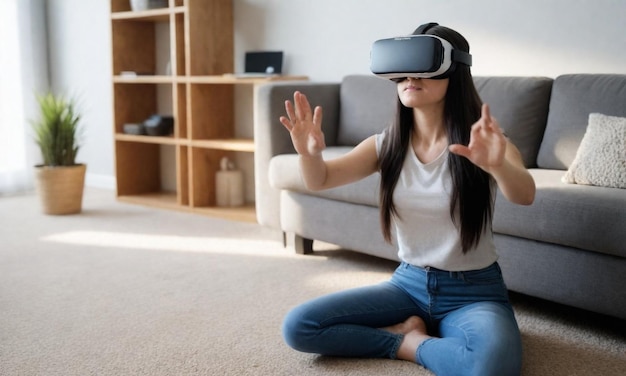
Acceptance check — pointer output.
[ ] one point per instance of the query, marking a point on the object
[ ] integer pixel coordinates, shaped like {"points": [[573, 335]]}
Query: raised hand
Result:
{"points": [[304, 126], [487, 144]]}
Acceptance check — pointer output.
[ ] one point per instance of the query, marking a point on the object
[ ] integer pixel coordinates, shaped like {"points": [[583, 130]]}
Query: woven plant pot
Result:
{"points": [[60, 188]]}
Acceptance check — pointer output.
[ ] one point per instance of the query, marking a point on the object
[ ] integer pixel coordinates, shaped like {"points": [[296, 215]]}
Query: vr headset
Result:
{"points": [[419, 56]]}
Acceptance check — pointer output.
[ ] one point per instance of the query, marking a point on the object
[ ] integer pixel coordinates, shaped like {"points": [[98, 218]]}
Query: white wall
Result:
{"points": [[79, 36], [327, 39]]}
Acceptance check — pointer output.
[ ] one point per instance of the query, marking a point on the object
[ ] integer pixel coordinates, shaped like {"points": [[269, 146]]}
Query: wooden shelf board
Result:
{"points": [[163, 140], [245, 145], [146, 79], [151, 15], [225, 79], [245, 213], [230, 79], [168, 200]]}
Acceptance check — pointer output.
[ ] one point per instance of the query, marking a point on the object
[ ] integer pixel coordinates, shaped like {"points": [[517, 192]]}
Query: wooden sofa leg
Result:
{"points": [[302, 246]]}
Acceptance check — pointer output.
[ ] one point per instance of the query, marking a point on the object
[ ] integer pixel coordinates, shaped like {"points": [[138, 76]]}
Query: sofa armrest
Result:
{"points": [[271, 138]]}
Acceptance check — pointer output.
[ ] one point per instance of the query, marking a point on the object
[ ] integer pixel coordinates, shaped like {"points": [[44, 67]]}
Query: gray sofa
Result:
{"points": [[569, 246]]}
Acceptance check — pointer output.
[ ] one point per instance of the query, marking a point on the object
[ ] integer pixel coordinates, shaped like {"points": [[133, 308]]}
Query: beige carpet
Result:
{"points": [[128, 290]]}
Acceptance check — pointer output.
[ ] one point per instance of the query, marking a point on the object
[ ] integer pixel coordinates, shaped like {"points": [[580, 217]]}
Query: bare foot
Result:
{"points": [[414, 330], [407, 326]]}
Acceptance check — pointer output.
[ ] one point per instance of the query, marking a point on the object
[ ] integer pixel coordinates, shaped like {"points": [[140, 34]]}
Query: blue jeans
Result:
{"points": [[468, 313]]}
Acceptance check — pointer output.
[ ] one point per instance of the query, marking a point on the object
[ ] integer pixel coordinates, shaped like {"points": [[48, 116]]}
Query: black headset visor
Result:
{"points": [[419, 56]]}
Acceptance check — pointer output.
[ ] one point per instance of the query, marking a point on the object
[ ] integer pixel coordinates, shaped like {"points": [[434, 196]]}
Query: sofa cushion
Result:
{"points": [[580, 216], [574, 97], [521, 106], [368, 105], [601, 157], [284, 173]]}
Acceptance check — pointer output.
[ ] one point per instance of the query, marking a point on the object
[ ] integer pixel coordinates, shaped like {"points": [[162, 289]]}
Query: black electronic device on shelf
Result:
{"points": [[159, 125]]}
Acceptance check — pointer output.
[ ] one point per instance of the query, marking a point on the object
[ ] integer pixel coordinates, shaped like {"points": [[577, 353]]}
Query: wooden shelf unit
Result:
{"points": [[176, 61]]}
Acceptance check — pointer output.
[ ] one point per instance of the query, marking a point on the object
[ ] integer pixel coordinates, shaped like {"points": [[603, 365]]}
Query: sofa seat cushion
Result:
{"points": [[284, 173], [585, 217]]}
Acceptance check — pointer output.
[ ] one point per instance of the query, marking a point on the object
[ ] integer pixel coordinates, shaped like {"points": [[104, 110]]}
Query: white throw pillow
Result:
{"points": [[601, 156]]}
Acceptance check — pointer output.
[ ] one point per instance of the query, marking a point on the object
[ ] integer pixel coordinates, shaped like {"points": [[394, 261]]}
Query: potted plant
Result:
{"points": [[59, 179]]}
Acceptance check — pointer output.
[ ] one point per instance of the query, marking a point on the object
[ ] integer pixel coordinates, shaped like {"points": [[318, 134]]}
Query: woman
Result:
{"points": [[446, 306]]}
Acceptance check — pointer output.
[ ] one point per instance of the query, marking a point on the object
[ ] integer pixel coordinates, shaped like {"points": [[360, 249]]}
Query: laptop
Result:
{"points": [[261, 64]]}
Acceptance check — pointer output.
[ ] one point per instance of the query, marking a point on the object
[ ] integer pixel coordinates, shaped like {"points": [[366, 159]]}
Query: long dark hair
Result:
{"points": [[471, 192]]}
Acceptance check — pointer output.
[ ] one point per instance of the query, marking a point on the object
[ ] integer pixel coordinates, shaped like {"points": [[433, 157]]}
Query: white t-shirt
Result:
{"points": [[425, 233]]}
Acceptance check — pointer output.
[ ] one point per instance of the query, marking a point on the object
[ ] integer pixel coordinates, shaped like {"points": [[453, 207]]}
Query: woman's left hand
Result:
{"points": [[487, 144]]}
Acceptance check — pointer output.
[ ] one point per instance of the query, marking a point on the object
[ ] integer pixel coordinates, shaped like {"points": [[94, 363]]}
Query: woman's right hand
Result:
{"points": [[304, 126]]}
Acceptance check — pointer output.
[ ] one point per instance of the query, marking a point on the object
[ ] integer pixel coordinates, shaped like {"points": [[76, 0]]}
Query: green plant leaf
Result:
{"points": [[57, 130]]}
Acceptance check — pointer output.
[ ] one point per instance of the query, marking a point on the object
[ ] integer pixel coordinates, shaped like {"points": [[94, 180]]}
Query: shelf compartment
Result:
{"points": [[148, 170], [211, 111], [136, 102], [210, 34], [134, 47], [137, 168], [203, 165], [133, 103]]}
